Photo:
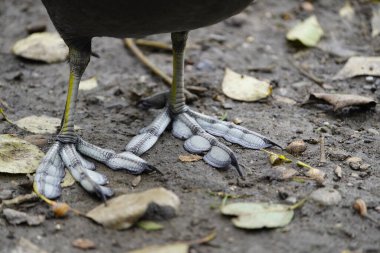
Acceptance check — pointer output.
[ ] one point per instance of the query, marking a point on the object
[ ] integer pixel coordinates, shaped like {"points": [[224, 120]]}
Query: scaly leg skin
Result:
{"points": [[198, 130], [67, 150]]}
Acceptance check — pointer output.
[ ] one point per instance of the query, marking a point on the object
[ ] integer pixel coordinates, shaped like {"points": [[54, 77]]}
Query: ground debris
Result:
{"points": [[359, 66], [26, 246], [46, 47], [326, 196], [18, 156], [296, 147], [339, 101], [244, 88], [83, 244], [308, 32], [124, 211], [15, 217], [190, 158]]}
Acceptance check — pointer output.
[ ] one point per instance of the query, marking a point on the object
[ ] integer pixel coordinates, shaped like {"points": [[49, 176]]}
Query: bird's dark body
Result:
{"points": [[76, 19]]}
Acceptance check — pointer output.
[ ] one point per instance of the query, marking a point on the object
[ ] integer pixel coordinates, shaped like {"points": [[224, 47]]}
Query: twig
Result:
{"points": [[153, 44], [19, 200], [208, 238], [304, 72], [322, 159], [140, 55]]}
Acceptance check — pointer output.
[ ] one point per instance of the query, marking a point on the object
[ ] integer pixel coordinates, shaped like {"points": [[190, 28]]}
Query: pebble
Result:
{"points": [[291, 200], [355, 175], [338, 155], [326, 196], [364, 166], [6, 194], [354, 162], [373, 131], [296, 147], [338, 171], [370, 79]]}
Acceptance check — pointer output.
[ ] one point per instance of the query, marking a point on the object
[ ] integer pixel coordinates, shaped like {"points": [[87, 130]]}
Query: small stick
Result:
{"points": [[322, 159], [304, 72], [153, 44], [140, 55], [19, 200]]}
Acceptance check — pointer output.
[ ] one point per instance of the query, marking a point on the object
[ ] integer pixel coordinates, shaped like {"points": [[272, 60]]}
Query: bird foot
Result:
{"points": [[198, 131], [52, 168]]}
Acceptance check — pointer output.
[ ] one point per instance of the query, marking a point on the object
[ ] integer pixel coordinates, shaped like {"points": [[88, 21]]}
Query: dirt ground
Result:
{"points": [[31, 88]]}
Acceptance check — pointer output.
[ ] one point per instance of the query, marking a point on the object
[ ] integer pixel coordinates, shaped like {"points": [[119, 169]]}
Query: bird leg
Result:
{"points": [[198, 130], [68, 148]]}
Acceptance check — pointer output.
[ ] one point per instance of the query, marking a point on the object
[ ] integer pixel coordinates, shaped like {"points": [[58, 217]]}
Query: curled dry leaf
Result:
{"points": [[190, 158], [359, 66], [18, 156], [339, 101], [16, 217], [361, 207], [168, 248], [124, 211], [60, 209], [244, 88], [46, 47], [308, 32], [259, 215], [276, 159]]}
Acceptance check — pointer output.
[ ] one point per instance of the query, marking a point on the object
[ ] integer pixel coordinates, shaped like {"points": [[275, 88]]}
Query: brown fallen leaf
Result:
{"points": [[189, 158], [15, 217], [124, 211], [361, 207], [339, 101], [359, 66], [84, 244]]}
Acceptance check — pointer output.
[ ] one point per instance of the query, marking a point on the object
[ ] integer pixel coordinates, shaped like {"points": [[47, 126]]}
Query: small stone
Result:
{"points": [[6, 194], [337, 155], [377, 209], [136, 181], [307, 6], [58, 227], [370, 79], [373, 131], [291, 200], [326, 196], [338, 171], [354, 162], [364, 166], [237, 121], [84, 244], [296, 147], [355, 175]]}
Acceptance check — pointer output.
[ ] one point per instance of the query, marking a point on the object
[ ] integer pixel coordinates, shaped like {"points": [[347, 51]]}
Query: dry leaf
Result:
{"points": [[296, 147], [122, 212], [244, 88], [136, 181], [190, 158], [308, 32], [361, 207], [39, 124], [340, 101], [68, 180], [168, 248], [84, 244], [259, 215], [18, 156], [47, 47], [359, 66], [88, 84], [15, 217]]}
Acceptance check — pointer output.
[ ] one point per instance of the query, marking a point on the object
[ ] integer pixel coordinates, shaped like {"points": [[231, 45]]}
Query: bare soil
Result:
{"points": [[31, 88]]}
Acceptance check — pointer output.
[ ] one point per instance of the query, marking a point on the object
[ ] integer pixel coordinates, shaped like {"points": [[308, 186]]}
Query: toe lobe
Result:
{"points": [[197, 144], [217, 158]]}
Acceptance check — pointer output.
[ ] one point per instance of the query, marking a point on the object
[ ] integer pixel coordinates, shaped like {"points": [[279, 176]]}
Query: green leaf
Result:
{"points": [[149, 225], [309, 32], [259, 215]]}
